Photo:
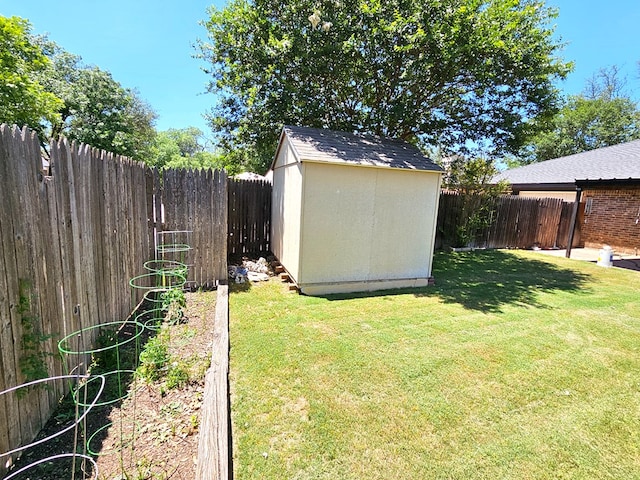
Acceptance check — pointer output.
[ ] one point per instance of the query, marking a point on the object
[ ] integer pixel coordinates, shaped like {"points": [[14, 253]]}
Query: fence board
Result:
{"points": [[24, 248], [10, 318], [55, 282], [26, 271], [7, 363], [69, 243], [219, 202], [249, 216], [515, 222], [192, 201], [214, 439], [565, 223], [61, 201], [5, 403], [37, 268]]}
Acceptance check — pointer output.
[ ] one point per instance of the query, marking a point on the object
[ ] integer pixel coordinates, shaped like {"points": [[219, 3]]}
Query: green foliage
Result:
{"points": [[32, 360], [602, 116], [105, 115], [106, 359], [476, 216], [585, 124], [157, 364], [54, 93], [23, 100], [185, 148], [429, 72], [472, 179], [154, 358], [178, 375], [97, 109], [174, 302]]}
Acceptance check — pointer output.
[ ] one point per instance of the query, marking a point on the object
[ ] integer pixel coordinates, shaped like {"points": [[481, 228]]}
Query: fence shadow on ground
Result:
{"points": [[487, 280]]}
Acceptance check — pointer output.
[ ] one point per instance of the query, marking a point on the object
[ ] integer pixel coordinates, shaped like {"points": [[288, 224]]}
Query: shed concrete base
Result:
{"points": [[362, 286]]}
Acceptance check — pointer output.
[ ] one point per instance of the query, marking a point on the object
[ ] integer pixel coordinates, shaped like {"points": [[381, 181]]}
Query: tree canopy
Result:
{"points": [[433, 72], [53, 92], [184, 148], [603, 115], [97, 110], [23, 100]]}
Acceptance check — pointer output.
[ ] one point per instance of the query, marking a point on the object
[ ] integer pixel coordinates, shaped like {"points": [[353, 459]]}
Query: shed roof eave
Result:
{"points": [[275, 157], [368, 165], [280, 143]]}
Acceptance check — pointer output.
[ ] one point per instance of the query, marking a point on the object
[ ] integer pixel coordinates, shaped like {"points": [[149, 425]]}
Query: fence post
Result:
{"points": [[574, 217]]}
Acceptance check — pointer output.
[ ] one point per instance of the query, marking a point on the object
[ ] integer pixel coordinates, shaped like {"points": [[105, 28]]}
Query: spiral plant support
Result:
{"points": [[100, 364]]}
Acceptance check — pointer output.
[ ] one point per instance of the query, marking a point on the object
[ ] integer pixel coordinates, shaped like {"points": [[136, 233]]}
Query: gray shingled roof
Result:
{"points": [[316, 144], [618, 162]]}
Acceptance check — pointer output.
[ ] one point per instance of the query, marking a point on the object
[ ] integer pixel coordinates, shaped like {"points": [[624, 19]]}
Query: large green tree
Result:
{"points": [[603, 115], [185, 148], [53, 92], [433, 72], [97, 110], [23, 100]]}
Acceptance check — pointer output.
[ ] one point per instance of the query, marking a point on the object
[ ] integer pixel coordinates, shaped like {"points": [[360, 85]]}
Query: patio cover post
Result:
{"points": [[574, 218]]}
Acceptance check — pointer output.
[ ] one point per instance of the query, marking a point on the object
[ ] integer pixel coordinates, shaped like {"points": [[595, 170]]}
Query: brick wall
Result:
{"points": [[612, 217]]}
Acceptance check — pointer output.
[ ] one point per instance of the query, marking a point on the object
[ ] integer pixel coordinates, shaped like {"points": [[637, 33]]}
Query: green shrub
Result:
{"points": [[177, 376], [154, 358]]}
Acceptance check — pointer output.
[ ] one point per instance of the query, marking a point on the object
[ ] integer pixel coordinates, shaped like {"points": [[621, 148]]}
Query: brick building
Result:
{"points": [[605, 181], [611, 214]]}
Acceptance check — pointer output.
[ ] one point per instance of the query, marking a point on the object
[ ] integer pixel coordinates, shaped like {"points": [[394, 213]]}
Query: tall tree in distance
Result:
{"points": [[185, 148], [603, 115], [433, 72], [23, 100], [54, 93], [97, 110]]}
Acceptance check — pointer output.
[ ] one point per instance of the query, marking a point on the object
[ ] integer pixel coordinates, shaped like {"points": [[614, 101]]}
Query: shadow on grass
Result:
{"points": [[487, 280], [239, 287]]}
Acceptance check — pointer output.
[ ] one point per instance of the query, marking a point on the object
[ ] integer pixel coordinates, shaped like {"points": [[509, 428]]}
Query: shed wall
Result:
{"points": [[365, 224], [286, 208]]}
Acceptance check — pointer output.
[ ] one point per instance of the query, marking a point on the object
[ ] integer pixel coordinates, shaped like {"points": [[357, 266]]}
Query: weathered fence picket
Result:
{"points": [[195, 202]]}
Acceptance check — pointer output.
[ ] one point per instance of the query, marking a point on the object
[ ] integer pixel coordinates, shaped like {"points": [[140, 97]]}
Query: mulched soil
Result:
{"points": [[154, 430]]}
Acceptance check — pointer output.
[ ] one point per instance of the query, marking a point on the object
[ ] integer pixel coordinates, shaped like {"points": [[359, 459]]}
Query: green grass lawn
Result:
{"points": [[514, 366]]}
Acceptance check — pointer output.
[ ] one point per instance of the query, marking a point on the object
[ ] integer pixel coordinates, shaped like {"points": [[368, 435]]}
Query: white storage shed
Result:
{"points": [[353, 213]]}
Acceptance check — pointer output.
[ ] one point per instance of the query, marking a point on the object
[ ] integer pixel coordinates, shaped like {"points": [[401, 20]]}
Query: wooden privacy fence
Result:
{"points": [[249, 216], [71, 238], [514, 222], [69, 243], [193, 203]]}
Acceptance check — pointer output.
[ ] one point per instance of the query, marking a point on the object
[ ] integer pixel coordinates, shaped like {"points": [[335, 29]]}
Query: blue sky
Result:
{"points": [[599, 34], [147, 45]]}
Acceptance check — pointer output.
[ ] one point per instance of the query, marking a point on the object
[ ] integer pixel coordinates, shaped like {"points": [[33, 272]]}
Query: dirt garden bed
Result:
{"points": [[154, 430]]}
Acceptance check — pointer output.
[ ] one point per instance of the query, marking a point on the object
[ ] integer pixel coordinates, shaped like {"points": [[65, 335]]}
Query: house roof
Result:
{"points": [[320, 145], [618, 162]]}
